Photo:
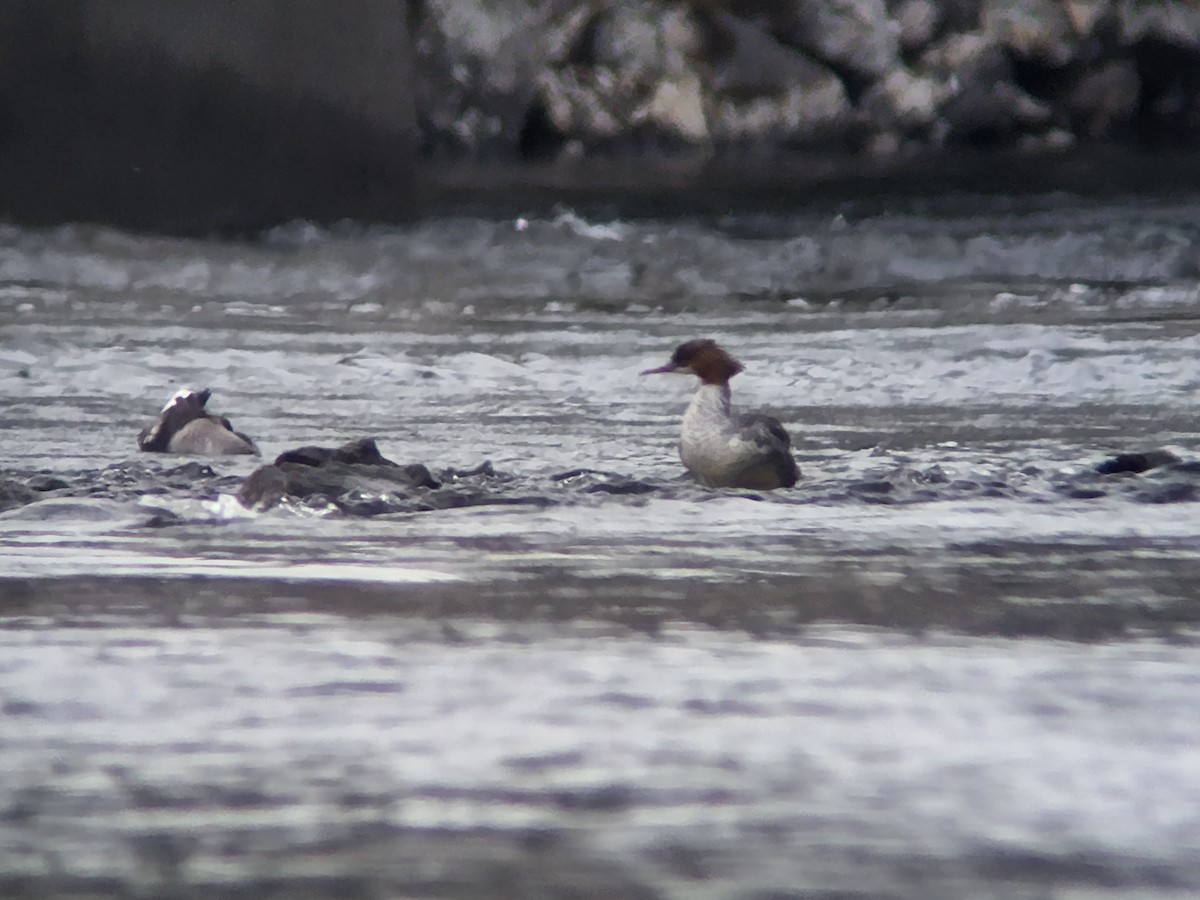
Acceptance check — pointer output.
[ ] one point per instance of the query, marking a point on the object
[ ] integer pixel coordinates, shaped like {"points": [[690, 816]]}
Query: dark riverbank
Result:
{"points": [[195, 118], [633, 186]]}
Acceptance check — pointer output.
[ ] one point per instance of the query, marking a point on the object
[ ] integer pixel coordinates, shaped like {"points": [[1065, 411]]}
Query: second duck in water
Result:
{"points": [[720, 447], [184, 426]]}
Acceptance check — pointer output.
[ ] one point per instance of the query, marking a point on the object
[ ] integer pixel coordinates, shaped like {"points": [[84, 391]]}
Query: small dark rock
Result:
{"points": [[192, 471], [263, 488], [14, 494], [484, 470], [918, 22], [624, 486], [46, 483], [1103, 98], [356, 503], [1172, 492], [578, 474], [872, 487], [162, 518], [1036, 30], [1136, 462], [932, 475], [360, 452]]}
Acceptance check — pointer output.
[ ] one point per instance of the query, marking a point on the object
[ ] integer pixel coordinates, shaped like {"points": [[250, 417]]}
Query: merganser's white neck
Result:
{"points": [[711, 409]]}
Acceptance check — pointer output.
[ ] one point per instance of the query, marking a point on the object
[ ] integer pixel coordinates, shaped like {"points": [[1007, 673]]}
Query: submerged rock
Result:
{"points": [[184, 427]]}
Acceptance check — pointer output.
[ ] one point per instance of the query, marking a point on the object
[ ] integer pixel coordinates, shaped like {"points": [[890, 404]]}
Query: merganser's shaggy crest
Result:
{"points": [[184, 427], [720, 447]]}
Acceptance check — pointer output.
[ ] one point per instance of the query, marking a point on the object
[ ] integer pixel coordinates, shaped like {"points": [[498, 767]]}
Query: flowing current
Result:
{"points": [[955, 661]]}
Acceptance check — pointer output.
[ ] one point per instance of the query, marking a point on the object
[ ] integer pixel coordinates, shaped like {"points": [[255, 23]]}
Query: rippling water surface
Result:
{"points": [[954, 661]]}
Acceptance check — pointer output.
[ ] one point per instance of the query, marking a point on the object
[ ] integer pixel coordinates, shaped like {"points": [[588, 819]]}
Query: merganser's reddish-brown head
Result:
{"points": [[703, 358]]}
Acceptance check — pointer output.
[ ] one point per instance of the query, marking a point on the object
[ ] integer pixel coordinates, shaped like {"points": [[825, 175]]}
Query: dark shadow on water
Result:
{"points": [[663, 187], [1068, 592]]}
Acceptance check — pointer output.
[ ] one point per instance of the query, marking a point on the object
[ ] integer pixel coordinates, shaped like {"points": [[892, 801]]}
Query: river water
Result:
{"points": [[954, 661]]}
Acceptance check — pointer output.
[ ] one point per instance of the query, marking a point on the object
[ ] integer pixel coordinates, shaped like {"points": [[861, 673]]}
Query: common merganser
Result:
{"points": [[184, 427], [720, 447]]}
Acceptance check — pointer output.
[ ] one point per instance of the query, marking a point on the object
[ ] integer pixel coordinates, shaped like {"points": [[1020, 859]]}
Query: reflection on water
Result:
{"points": [[605, 681]]}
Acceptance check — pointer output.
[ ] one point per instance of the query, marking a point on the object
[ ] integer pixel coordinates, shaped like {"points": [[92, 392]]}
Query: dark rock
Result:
{"points": [[263, 488], [762, 90], [1034, 30], [872, 487], [932, 475], [623, 487], [484, 470], [360, 452], [631, 72], [1136, 462], [1164, 42], [191, 471], [356, 477], [14, 494], [477, 66], [960, 15], [1102, 98], [918, 22], [903, 101], [45, 482], [1170, 492], [853, 36], [978, 96], [1172, 22]]}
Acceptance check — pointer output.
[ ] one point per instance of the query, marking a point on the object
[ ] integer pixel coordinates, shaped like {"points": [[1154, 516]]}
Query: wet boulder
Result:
{"points": [[342, 475], [979, 98], [1163, 39], [15, 493], [1102, 98], [762, 90], [1136, 463], [476, 67], [1169, 22], [1037, 31], [627, 72], [856, 37], [918, 23], [903, 102]]}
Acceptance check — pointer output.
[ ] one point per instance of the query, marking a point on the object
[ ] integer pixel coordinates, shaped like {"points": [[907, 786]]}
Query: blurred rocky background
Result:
{"points": [[232, 112], [874, 76]]}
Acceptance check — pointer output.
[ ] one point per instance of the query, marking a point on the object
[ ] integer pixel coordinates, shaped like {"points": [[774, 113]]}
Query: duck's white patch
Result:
{"points": [[177, 396]]}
